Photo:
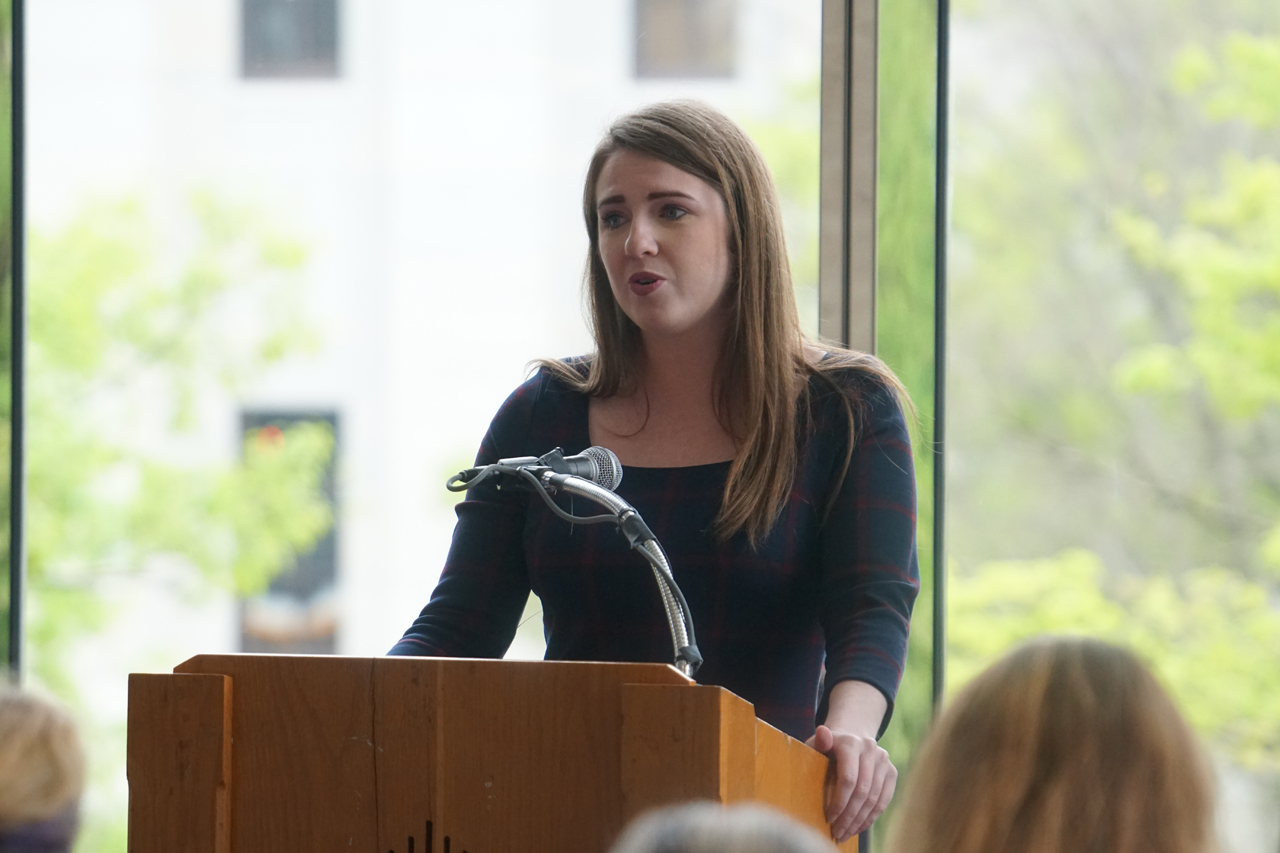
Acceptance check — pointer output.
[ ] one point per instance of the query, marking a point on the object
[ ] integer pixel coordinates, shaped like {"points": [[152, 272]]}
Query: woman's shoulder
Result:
{"points": [[857, 376], [848, 387], [547, 378], [856, 402], [558, 376], [544, 409]]}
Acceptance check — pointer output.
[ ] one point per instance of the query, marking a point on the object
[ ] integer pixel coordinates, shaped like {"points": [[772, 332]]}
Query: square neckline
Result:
{"points": [[583, 430]]}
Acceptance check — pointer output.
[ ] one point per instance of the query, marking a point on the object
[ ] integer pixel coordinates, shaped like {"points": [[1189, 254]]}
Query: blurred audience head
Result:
{"points": [[41, 775], [1065, 745], [712, 828]]}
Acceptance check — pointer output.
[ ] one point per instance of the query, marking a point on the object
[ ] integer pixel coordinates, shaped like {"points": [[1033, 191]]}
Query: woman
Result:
{"points": [[776, 475], [1065, 745], [711, 828], [41, 775]]}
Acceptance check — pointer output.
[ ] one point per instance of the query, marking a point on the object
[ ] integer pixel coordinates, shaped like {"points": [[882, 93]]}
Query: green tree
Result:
{"points": [[1212, 636], [1049, 300], [1224, 262], [130, 336], [1116, 347]]}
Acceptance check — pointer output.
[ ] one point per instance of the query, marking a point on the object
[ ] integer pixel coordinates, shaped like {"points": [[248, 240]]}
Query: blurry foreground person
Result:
{"points": [[41, 775], [1064, 745], [711, 828]]}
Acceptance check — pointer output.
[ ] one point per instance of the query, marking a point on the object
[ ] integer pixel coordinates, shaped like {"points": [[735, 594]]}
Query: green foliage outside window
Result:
{"points": [[130, 337], [1114, 423], [1115, 353]]}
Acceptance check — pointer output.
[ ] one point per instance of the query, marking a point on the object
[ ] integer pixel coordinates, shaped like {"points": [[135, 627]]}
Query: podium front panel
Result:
{"points": [[264, 753]]}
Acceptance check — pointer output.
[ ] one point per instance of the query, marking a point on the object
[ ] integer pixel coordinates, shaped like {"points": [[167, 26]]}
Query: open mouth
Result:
{"points": [[643, 283]]}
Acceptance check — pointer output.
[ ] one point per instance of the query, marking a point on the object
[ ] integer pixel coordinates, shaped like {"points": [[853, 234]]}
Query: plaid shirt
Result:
{"points": [[838, 591]]}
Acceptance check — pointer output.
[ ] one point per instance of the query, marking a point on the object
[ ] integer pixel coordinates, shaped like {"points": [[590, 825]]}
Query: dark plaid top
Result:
{"points": [[765, 619]]}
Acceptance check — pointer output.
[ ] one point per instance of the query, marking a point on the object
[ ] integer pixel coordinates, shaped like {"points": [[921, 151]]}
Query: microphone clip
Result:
{"points": [[554, 459]]}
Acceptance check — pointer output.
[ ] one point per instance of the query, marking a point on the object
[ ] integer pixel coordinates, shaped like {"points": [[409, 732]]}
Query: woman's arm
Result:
{"points": [[475, 608], [865, 777], [870, 581]]}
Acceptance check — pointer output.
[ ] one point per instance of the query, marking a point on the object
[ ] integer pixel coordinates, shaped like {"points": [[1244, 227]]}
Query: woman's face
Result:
{"points": [[664, 241]]}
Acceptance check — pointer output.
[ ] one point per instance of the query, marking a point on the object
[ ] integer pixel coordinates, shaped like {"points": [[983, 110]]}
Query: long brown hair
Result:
{"points": [[762, 370], [1065, 745]]}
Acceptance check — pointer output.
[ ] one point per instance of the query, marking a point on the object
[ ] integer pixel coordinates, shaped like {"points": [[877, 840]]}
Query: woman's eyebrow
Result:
{"points": [[656, 194]]}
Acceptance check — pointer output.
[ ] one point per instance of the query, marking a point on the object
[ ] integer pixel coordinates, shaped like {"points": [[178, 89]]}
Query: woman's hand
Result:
{"points": [[863, 783], [864, 778]]}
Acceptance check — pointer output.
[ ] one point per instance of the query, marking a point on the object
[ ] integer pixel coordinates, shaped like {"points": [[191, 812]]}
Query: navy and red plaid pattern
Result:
{"points": [[839, 591]]}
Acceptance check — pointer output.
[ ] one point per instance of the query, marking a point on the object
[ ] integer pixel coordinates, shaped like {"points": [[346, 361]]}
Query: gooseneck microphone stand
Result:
{"points": [[546, 475]]}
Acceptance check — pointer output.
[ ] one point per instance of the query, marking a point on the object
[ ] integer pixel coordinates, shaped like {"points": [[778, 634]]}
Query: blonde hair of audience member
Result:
{"points": [[1064, 745], [711, 828], [41, 760]]}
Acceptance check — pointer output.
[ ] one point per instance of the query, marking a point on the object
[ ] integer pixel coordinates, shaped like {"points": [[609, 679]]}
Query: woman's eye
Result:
{"points": [[611, 220], [671, 211]]}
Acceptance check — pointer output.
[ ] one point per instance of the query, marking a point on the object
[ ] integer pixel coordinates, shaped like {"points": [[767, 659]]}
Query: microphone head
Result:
{"points": [[608, 468]]}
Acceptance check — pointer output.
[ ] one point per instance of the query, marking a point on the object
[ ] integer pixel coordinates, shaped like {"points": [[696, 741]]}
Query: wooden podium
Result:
{"points": [[283, 754]]}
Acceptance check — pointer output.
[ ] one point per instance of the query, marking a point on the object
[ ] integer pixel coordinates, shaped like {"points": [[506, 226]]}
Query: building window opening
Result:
{"points": [[685, 38], [289, 38], [297, 614]]}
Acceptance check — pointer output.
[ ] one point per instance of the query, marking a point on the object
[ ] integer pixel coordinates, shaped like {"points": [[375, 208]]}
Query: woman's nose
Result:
{"points": [[640, 240]]}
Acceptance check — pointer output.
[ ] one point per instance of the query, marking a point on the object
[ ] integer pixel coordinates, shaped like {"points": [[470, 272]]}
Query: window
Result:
{"points": [[289, 38], [297, 614], [685, 38], [383, 252]]}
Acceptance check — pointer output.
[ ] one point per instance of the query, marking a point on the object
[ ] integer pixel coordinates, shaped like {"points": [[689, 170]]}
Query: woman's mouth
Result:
{"points": [[644, 283]]}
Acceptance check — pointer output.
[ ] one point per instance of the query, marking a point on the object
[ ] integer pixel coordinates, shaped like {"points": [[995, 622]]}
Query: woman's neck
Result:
{"points": [[681, 372], [670, 420]]}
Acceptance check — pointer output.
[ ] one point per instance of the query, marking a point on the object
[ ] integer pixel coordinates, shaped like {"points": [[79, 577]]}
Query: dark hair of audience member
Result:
{"points": [[1065, 745], [41, 774], [712, 828]]}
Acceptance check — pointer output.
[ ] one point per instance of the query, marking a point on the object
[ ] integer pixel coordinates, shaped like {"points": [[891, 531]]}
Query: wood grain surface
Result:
{"points": [[774, 784], [685, 743], [793, 778], [422, 755], [705, 743], [302, 752], [179, 763], [515, 755]]}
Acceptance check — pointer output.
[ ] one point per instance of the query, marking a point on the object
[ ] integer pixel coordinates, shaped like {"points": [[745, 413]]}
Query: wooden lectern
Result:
{"points": [[281, 754]]}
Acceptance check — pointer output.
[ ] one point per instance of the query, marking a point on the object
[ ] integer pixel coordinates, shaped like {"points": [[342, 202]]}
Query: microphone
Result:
{"points": [[598, 465], [641, 538], [594, 474]]}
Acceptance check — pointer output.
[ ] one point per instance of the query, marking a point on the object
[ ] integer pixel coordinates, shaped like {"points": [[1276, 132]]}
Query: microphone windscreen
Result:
{"points": [[608, 468]]}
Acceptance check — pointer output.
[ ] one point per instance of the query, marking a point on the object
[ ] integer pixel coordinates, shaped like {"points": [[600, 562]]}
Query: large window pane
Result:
{"points": [[905, 312], [1115, 355], [228, 271], [289, 38]]}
